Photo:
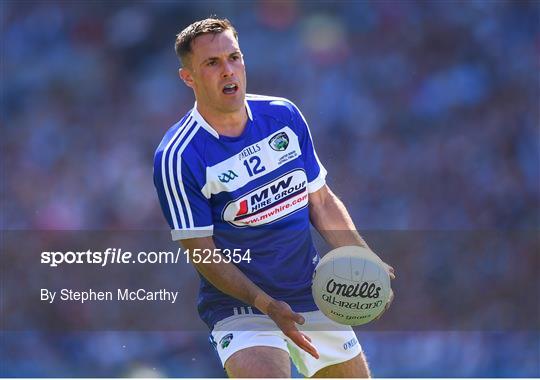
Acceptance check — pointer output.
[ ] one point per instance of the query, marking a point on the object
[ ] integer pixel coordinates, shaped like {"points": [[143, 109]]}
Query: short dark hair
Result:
{"points": [[184, 39]]}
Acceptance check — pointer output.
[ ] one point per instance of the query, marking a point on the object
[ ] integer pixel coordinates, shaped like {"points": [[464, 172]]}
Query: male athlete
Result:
{"points": [[240, 172]]}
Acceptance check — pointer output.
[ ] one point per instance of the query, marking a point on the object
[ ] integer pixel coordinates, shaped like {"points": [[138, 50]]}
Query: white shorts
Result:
{"points": [[336, 343]]}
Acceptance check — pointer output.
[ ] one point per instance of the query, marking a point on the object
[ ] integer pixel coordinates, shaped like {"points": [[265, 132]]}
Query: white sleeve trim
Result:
{"points": [[318, 182], [191, 233]]}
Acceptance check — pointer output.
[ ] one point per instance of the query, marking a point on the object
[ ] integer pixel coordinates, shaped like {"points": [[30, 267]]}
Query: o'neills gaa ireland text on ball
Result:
{"points": [[351, 285]]}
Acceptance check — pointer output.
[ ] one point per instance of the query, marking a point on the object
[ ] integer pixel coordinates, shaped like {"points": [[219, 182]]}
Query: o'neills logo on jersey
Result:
{"points": [[269, 202]]}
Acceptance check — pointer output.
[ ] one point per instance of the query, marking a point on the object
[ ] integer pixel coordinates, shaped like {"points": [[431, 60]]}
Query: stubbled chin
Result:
{"points": [[231, 103]]}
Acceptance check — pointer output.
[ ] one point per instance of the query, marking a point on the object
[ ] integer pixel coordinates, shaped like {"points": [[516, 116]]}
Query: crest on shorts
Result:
{"points": [[279, 142], [225, 341]]}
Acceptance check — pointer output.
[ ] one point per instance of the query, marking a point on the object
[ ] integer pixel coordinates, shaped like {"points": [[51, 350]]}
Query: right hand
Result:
{"points": [[285, 318]]}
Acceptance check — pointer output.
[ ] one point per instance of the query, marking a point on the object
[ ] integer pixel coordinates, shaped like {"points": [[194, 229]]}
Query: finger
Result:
{"points": [[309, 348], [391, 272], [312, 351], [304, 343], [298, 318]]}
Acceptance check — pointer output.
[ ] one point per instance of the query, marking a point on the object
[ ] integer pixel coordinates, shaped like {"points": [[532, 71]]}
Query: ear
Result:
{"points": [[186, 76]]}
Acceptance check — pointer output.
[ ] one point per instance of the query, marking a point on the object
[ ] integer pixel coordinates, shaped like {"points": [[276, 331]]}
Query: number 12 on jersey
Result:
{"points": [[253, 165]]}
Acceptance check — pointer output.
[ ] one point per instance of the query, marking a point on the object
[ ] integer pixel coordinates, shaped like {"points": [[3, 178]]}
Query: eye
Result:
{"points": [[235, 57], [211, 63]]}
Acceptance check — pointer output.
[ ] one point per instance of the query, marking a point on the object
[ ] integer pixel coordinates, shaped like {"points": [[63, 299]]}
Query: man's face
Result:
{"points": [[216, 72]]}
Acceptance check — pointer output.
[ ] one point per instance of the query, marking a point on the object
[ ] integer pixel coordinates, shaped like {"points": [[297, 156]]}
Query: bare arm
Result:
{"points": [[230, 280], [330, 217]]}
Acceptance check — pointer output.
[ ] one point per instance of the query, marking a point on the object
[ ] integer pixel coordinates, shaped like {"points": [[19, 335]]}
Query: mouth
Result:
{"points": [[230, 89]]}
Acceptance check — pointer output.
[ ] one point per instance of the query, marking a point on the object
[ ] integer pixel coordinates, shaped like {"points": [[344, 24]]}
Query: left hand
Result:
{"points": [[390, 270], [392, 273]]}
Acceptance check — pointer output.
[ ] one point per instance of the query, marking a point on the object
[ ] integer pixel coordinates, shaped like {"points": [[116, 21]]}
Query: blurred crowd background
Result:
{"points": [[425, 113]]}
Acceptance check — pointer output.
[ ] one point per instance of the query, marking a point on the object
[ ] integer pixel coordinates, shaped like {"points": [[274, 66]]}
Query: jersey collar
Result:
{"points": [[200, 120]]}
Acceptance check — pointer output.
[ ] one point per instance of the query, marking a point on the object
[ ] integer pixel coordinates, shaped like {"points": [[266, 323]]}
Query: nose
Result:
{"points": [[227, 70]]}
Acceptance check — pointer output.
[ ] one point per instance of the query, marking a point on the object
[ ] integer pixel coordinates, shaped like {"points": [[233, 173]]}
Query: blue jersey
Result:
{"points": [[248, 192]]}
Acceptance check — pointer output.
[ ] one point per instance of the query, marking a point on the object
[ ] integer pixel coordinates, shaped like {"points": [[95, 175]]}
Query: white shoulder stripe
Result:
{"points": [[168, 184], [265, 98], [179, 166], [172, 185]]}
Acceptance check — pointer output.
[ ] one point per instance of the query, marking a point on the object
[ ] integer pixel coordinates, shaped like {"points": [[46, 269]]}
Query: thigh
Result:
{"points": [[259, 361], [355, 367], [251, 346]]}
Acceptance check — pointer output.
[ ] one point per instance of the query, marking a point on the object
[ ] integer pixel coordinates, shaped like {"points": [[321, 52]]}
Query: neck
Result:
{"points": [[229, 124]]}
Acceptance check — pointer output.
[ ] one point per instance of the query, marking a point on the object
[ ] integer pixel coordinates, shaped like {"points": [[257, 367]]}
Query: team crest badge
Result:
{"points": [[279, 142], [225, 341]]}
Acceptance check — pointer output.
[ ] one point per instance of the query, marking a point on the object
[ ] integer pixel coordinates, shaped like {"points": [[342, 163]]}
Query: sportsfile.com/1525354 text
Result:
{"points": [[119, 256]]}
